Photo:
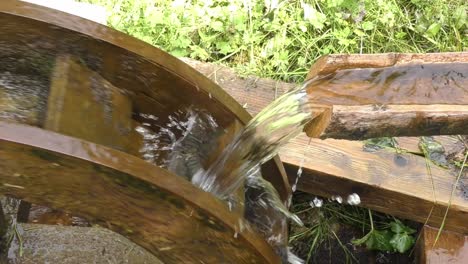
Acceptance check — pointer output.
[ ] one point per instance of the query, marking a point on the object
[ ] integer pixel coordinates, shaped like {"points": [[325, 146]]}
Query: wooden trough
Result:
{"points": [[72, 95]]}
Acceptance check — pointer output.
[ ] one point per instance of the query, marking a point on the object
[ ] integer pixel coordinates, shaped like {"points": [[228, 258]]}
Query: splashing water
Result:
{"points": [[239, 163], [258, 142]]}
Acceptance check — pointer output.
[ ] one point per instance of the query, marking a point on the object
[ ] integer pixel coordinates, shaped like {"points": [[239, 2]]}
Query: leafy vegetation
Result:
{"points": [[396, 236], [328, 223], [282, 39]]}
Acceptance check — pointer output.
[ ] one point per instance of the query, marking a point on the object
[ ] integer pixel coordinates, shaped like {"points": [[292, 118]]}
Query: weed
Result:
{"points": [[338, 224], [282, 39], [442, 225]]}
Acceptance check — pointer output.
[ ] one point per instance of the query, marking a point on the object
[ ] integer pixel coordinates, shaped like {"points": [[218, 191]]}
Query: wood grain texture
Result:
{"points": [[386, 181], [450, 247], [368, 95], [156, 83], [331, 63], [360, 122], [159, 211], [82, 104]]}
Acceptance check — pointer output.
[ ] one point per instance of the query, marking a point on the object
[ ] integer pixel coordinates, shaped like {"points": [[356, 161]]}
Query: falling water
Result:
{"points": [[257, 143]]}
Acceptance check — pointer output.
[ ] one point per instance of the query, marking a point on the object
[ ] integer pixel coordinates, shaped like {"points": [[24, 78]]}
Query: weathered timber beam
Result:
{"points": [[365, 96], [450, 247], [395, 183], [332, 63], [357, 122], [147, 204]]}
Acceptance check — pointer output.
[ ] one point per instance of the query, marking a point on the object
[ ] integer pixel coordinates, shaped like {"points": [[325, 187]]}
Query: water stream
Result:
{"points": [[257, 143]]}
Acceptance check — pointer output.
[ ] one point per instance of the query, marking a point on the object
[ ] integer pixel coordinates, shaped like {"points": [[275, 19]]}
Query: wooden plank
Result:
{"points": [[398, 184], [450, 247], [157, 210], [83, 104], [331, 63], [359, 122], [363, 97], [386, 182]]}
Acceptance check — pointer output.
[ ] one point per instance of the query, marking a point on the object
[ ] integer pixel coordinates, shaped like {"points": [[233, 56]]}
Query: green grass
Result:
{"points": [[282, 39], [345, 226]]}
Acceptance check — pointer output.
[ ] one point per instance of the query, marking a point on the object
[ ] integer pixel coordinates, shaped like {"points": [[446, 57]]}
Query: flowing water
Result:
{"points": [[257, 143]]}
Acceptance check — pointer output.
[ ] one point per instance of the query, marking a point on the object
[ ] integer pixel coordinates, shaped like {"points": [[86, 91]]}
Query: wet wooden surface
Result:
{"points": [[450, 247], [371, 121], [386, 181], [395, 183], [155, 82], [332, 63], [365, 96], [157, 210], [84, 105]]}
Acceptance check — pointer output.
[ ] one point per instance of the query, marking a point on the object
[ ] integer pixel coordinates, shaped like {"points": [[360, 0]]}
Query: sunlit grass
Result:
{"points": [[282, 39]]}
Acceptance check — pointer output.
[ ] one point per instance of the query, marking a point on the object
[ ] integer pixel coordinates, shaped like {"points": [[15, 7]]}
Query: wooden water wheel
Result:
{"points": [[72, 93]]}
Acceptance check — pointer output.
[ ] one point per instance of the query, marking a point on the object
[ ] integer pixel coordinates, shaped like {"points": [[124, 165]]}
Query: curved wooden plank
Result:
{"points": [[155, 82], [133, 64], [168, 216]]}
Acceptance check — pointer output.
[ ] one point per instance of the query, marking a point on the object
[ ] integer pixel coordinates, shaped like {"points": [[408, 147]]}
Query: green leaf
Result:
{"points": [[362, 240], [224, 47], [402, 242], [460, 17], [179, 52], [433, 29], [375, 144], [376, 240], [217, 25], [316, 18], [367, 25], [398, 227], [379, 240], [400, 35]]}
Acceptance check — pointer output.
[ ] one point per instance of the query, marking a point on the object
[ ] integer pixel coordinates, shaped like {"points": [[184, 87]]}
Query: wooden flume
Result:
{"points": [[367, 96]]}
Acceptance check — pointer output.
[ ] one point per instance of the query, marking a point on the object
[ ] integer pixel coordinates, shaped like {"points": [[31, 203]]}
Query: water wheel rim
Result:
{"points": [[97, 167]]}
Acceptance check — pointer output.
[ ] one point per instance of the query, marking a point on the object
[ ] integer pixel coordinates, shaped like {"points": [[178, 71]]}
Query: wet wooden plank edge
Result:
{"points": [[103, 156]]}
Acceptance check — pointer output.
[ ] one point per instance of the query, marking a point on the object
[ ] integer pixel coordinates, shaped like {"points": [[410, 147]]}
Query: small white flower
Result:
{"points": [[354, 199], [317, 202], [307, 11], [337, 198]]}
